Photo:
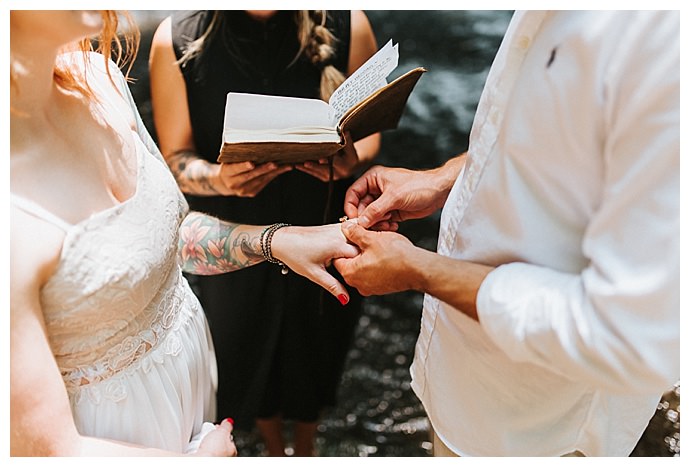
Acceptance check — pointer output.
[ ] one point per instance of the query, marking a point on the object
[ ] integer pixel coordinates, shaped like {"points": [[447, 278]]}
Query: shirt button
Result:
{"points": [[523, 42]]}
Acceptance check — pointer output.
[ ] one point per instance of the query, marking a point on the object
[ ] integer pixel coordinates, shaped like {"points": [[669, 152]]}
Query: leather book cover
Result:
{"points": [[378, 112], [276, 151], [383, 109]]}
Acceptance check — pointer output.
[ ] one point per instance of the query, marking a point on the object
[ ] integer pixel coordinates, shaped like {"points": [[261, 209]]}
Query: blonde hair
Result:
{"points": [[122, 49], [316, 43]]}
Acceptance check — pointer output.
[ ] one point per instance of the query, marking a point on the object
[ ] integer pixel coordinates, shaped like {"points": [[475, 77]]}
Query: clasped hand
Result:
{"points": [[375, 261], [380, 199], [368, 260], [380, 266], [309, 251]]}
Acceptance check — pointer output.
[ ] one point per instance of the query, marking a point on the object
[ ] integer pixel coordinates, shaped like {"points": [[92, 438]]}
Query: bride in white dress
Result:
{"points": [[110, 350]]}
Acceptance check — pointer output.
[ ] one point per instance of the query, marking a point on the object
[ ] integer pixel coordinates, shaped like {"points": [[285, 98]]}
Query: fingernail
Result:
{"points": [[230, 420], [343, 299], [348, 224], [363, 220]]}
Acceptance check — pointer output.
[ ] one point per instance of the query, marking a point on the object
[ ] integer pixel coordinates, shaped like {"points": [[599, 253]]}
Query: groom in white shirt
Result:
{"points": [[551, 316]]}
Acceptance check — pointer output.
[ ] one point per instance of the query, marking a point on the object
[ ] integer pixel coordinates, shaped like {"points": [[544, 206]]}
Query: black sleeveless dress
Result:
{"points": [[280, 343]]}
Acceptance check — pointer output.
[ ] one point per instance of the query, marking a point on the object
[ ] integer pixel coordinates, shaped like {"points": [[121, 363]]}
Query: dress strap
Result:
{"points": [[38, 211]]}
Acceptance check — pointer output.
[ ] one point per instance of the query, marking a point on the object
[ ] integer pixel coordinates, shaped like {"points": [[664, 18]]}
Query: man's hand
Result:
{"points": [[383, 196], [382, 267], [389, 263]]}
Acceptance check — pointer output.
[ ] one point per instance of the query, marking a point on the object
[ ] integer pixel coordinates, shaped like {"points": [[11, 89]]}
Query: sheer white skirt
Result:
{"points": [[162, 398]]}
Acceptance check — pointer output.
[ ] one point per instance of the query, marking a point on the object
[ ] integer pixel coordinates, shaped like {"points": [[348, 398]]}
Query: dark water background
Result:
{"points": [[378, 414]]}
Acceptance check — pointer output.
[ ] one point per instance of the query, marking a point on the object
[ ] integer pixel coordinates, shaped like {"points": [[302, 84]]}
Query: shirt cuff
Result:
{"points": [[515, 304]]}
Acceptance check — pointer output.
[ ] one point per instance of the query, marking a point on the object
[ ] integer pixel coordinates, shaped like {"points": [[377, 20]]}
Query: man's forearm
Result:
{"points": [[452, 281], [448, 173], [193, 174]]}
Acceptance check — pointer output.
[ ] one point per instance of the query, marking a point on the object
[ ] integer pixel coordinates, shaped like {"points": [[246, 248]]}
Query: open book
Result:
{"points": [[290, 130]]}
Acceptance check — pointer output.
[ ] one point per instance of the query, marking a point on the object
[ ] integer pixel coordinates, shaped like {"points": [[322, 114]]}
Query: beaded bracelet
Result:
{"points": [[265, 241]]}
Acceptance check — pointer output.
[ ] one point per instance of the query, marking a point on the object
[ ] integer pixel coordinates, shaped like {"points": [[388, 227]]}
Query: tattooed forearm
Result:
{"points": [[209, 246], [192, 173]]}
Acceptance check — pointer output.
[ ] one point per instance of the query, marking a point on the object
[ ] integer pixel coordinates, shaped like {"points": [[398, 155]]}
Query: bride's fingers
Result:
{"points": [[385, 226], [331, 284], [228, 422], [348, 250], [226, 425]]}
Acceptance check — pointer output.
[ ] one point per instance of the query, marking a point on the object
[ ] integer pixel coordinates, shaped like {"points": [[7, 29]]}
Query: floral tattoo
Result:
{"points": [[209, 246]]}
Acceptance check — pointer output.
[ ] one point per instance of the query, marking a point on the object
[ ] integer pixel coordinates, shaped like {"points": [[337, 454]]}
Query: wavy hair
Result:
{"points": [[316, 43]]}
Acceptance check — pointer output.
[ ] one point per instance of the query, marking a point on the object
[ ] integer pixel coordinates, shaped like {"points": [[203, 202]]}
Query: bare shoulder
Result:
{"points": [[163, 35], [162, 57], [360, 26], [359, 19], [363, 40], [35, 248]]}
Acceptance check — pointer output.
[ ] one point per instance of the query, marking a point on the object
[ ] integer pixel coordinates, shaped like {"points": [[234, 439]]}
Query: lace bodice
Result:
{"points": [[112, 296]]}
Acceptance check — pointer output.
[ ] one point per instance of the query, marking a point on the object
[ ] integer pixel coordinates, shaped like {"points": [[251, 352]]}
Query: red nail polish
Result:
{"points": [[232, 422], [343, 299]]}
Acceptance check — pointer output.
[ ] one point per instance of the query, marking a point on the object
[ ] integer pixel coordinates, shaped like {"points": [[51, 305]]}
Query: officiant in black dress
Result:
{"points": [[280, 342]]}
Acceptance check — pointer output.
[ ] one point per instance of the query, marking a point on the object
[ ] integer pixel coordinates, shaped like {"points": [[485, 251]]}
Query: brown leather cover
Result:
{"points": [[279, 152], [378, 112], [383, 109]]}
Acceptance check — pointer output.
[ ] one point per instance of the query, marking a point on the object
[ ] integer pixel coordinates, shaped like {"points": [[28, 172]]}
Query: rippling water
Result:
{"points": [[378, 414]]}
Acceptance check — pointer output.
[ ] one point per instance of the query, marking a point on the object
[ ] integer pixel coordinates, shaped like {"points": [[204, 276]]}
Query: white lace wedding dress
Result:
{"points": [[128, 334]]}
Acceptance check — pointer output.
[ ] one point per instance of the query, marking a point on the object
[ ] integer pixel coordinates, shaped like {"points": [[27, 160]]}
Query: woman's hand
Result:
{"points": [[219, 442], [345, 163], [247, 179], [197, 176], [308, 251]]}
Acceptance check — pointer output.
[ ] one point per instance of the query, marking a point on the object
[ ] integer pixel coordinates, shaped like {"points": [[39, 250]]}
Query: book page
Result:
{"points": [[258, 112], [365, 81], [292, 135]]}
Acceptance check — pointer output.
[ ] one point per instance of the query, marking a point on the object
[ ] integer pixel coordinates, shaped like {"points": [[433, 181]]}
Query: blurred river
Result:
{"points": [[378, 414]]}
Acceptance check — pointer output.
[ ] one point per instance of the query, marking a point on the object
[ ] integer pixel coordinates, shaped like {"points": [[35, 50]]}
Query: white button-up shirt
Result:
{"points": [[572, 190]]}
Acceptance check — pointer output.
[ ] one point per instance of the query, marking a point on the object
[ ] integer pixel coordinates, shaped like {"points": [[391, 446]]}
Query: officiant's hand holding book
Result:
{"points": [[288, 130]]}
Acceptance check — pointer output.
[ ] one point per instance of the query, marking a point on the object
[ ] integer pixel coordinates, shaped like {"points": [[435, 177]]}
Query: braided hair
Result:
{"points": [[317, 44]]}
